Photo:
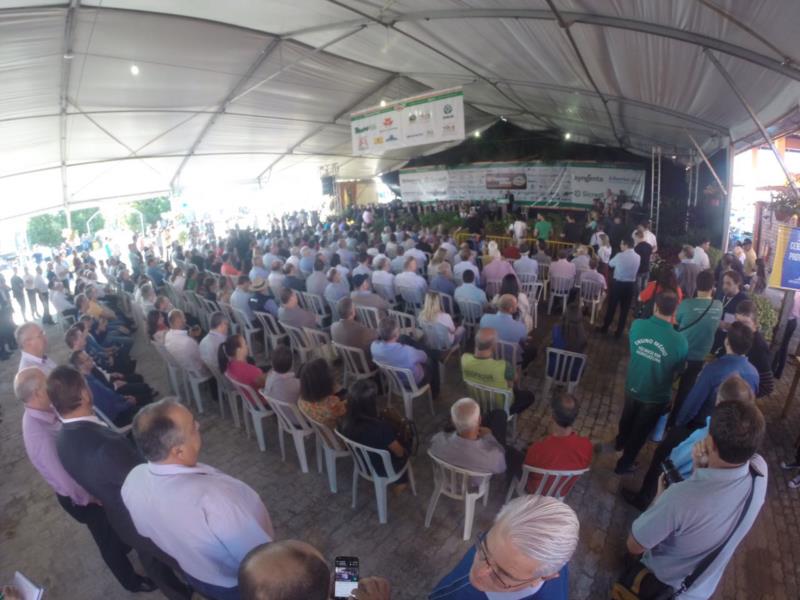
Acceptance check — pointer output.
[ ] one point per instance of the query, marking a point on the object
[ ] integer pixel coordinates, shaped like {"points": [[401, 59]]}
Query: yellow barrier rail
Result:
{"points": [[553, 246]]}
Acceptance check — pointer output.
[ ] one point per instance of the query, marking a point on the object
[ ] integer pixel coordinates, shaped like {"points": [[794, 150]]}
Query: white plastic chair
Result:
{"points": [[560, 287], [509, 352], [101, 415], [253, 405], [273, 332], [320, 343], [332, 447], [471, 313], [363, 467], [195, 384], [493, 287], [413, 298], [437, 337], [406, 322], [526, 278], [592, 293], [226, 392], [403, 384], [458, 484], [356, 365], [552, 483], [448, 303], [369, 316], [563, 364], [293, 422], [386, 292], [174, 373], [490, 398], [544, 277], [299, 342], [250, 333], [317, 305]]}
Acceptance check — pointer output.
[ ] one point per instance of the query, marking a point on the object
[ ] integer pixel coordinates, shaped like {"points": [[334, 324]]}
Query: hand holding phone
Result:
{"points": [[345, 577]]}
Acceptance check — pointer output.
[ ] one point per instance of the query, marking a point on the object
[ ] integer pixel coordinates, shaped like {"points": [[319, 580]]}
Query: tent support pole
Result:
{"points": [[726, 214], [66, 69], [697, 147], [715, 61]]}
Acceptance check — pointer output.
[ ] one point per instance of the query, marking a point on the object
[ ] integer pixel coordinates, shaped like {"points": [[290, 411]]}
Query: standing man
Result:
{"points": [[713, 509], [40, 427], [203, 518], [658, 354], [30, 289], [542, 228], [623, 287], [32, 340], [99, 460], [18, 290]]}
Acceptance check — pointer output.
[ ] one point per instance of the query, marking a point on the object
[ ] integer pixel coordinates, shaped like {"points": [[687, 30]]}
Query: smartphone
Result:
{"points": [[345, 576]]}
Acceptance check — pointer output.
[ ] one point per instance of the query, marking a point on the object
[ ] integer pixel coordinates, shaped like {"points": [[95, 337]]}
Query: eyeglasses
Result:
{"points": [[482, 550]]}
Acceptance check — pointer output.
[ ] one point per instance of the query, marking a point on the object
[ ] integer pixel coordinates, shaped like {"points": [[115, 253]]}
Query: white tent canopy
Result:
{"points": [[248, 89]]}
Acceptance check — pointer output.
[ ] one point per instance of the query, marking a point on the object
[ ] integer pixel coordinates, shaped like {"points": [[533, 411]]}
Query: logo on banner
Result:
{"points": [[588, 178], [361, 129], [448, 108], [388, 122]]}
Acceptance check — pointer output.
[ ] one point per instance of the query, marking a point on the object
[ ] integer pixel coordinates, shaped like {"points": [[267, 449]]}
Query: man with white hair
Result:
{"points": [[383, 276], [471, 446], [32, 340], [524, 555]]}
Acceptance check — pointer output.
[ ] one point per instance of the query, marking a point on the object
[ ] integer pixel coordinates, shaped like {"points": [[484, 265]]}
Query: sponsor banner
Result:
{"points": [[550, 184], [786, 265], [426, 119]]}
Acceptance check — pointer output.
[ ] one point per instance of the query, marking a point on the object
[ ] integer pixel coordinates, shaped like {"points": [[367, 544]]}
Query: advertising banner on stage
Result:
{"points": [[786, 265], [564, 184], [425, 119]]}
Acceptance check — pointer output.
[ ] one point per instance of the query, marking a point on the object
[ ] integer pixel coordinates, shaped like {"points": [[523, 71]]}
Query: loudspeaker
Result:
{"points": [[327, 185]]}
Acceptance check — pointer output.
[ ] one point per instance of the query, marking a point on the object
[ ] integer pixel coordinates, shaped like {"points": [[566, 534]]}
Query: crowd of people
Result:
{"points": [[126, 464]]}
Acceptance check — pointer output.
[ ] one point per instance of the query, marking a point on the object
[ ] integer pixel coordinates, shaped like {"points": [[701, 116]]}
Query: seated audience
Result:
{"points": [[291, 314], [349, 332], [469, 292], [233, 356], [336, 288], [318, 400], [562, 449], [393, 351], [281, 383], [593, 276], [183, 348], [433, 314], [483, 369], [317, 281], [525, 265], [524, 554], [510, 330], [442, 280], [217, 334], [156, 326], [119, 409], [174, 494], [240, 298], [362, 424], [510, 285], [293, 279], [362, 295]]}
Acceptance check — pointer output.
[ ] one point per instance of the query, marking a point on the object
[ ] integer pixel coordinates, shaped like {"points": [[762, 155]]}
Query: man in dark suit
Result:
{"points": [[100, 459]]}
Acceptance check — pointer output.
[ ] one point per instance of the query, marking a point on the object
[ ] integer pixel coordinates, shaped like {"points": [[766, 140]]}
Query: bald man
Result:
{"points": [[40, 427], [294, 570]]}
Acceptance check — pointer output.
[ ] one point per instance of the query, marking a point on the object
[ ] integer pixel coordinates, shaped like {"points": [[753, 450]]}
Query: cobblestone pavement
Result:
{"points": [[41, 541]]}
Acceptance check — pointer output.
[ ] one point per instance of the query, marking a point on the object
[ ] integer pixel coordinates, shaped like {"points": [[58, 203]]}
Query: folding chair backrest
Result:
{"points": [[579, 274], [290, 417], [269, 323], [316, 337], [362, 457], [471, 311], [563, 365], [326, 434], [561, 285], [455, 481], [490, 398], [590, 290], [355, 360], [552, 483], [400, 380], [507, 351], [448, 303], [297, 337], [411, 295], [313, 303], [101, 415], [407, 322], [241, 320], [251, 396], [368, 316], [544, 272], [526, 278], [493, 287]]}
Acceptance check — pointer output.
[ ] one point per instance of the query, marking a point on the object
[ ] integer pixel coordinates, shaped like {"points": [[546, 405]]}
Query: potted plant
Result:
{"points": [[784, 203], [766, 314]]}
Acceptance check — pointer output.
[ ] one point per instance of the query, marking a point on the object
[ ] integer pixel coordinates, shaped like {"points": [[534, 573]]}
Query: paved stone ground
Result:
{"points": [[40, 540]]}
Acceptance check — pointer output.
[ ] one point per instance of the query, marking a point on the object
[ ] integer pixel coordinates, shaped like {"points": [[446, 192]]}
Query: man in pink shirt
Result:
{"points": [[40, 427], [562, 267], [494, 272]]}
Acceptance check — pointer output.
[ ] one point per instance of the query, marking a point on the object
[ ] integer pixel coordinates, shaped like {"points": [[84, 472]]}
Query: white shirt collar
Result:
{"points": [[90, 419], [528, 591], [170, 469], [34, 359]]}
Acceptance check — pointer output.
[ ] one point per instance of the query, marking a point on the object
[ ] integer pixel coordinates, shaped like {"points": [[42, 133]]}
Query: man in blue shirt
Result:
{"points": [[700, 401], [468, 291], [623, 288], [523, 556], [119, 409], [389, 349], [509, 329], [155, 273], [678, 447]]}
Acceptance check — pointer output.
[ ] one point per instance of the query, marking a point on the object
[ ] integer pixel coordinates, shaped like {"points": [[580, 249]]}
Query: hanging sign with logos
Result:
{"points": [[786, 264], [565, 184], [425, 119]]}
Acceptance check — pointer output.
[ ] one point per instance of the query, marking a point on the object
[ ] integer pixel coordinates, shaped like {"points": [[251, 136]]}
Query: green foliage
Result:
{"points": [[714, 256], [82, 216], [46, 229], [151, 210], [766, 314]]}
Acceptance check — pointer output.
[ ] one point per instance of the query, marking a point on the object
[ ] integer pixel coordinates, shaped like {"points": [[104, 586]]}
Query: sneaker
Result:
{"points": [[788, 466], [795, 483]]}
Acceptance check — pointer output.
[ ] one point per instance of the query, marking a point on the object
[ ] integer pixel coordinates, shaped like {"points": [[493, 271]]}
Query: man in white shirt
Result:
{"points": [[520, 228], [206, 520], [409, 279], [383, 277], [700, 257], [525, 265], [562, 268], [418, 255], [209, 345], [649, 236], [182, 348], [59, 299], [32, 340]]}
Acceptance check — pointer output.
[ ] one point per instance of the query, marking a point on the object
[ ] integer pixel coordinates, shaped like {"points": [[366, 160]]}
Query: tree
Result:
{"points": [[151, 210], [46, 229]]}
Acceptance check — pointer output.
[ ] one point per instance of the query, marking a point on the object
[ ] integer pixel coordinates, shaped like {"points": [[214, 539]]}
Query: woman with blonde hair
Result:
{"points": [[439, 257], [432, 313]]}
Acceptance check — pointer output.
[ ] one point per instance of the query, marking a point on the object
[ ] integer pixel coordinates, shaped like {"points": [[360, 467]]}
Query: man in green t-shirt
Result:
{"points": [[543, 227], [483, 369], [697, 320], [658, 354]]}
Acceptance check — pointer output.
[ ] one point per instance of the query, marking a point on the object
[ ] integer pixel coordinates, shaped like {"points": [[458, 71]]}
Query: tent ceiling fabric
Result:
{"points": [[255, 88]]}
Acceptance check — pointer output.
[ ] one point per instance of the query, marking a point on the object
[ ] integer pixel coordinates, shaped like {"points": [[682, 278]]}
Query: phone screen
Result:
{"points": [[345, 576]]}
